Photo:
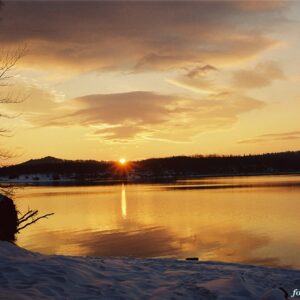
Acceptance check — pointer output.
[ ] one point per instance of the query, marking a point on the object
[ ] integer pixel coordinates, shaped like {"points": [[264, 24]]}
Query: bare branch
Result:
{"points": [[34, 221], [7, 190], [13, 98], [8, 60], [9, 95], [26, 216]]}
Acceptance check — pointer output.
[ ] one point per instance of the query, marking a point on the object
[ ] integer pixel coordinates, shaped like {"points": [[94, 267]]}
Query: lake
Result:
{"points": [[234, 219]]}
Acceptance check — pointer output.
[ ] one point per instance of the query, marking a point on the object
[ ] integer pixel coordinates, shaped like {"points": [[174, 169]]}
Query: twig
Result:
{"points": [[27, 216], [35, 220]]}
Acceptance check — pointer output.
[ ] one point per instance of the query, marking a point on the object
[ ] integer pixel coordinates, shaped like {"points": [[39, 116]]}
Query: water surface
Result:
{"points": [[238, 219]]}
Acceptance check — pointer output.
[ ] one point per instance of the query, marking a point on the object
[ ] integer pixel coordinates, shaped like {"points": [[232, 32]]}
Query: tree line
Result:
{"points": [[178, 166]]}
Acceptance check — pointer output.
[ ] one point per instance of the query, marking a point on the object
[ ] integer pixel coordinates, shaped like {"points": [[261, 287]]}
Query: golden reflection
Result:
{"points": [[159, 241], [256, 224], [123, 202]]}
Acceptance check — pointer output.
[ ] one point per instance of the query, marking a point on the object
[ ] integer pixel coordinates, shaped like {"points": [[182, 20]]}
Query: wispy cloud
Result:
{"points": [[261, 75], [270, 137]]}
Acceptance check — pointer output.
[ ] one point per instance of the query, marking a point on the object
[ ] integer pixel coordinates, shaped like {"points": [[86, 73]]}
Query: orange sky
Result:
{"points": [[105, 80]]}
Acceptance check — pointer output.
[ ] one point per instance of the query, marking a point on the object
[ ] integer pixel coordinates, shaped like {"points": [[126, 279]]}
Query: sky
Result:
{"points": [[104, 80]]}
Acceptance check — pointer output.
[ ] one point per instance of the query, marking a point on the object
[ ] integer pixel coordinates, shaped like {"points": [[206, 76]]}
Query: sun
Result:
{"points": [[122, 161]]}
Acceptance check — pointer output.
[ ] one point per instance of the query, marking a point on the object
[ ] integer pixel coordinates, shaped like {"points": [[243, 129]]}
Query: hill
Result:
{"points": [[51, 168]]}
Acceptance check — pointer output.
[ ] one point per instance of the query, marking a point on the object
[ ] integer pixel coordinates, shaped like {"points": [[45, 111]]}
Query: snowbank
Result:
{"points": [[27, 275]]}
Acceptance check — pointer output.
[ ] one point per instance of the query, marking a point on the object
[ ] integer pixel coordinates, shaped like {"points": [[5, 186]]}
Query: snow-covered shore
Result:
{"points": [[27, 275]]}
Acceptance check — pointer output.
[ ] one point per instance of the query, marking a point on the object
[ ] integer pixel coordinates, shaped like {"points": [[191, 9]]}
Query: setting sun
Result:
{"points": [[122, 161]]}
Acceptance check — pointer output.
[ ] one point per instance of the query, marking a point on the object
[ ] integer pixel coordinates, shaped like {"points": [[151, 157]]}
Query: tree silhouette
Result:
{"points": [[8, 95], [11, 221], [8, 219]]}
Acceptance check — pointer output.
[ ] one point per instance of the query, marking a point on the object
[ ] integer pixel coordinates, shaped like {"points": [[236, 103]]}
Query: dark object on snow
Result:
{"points": [[8, 219], [10, 223], [192, 258]]}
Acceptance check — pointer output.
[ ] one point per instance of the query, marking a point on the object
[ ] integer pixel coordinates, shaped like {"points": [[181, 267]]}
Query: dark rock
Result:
{"points": [[8, 219]]}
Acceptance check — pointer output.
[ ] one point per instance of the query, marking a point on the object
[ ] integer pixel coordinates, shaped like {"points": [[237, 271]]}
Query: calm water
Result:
{"points": [[237, 219]]}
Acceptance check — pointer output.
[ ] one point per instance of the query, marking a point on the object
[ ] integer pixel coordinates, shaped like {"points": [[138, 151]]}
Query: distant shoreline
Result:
{"points": [[146, 180]]}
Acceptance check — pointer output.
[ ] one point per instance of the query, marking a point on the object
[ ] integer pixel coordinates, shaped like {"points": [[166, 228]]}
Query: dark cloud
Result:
{"points": [[133, 107], [260, 5], [200, 71], [134, 35], [270, 137]]}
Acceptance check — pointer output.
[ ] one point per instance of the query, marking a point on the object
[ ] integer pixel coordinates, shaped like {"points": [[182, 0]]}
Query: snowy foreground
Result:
{"points": [[28, 275]]}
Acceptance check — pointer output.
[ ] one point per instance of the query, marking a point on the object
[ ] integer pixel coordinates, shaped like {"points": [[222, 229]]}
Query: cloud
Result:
{"points": [[138, 115], [32, 100], [200, 71], [119, 133], [120, 115], [260, 76], [271, 137], [135, 36], [202, 85], [209, 79], [136, 107], [260, 5], [147, 115]]}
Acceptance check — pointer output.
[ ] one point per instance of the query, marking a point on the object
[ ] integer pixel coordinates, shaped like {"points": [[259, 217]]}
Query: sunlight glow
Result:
{"points": [[122, 161]]}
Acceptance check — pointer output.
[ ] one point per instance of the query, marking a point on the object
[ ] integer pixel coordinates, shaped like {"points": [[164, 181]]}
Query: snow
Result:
{"points": [[27, 275], [37, 178]]}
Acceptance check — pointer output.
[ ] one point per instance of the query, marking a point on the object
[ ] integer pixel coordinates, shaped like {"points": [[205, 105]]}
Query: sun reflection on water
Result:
{"points": [[123, 202]]}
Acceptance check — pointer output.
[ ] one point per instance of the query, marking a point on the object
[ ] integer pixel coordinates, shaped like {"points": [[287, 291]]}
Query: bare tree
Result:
{"points": [[14, 221], [8, 60], [8, 95]]}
